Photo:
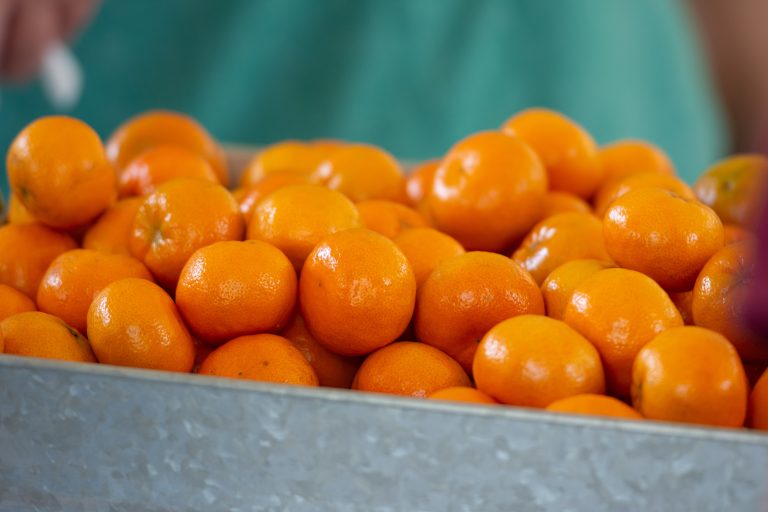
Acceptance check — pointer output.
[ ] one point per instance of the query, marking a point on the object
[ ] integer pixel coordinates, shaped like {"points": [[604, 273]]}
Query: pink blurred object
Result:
{"points": [[757, 302]]}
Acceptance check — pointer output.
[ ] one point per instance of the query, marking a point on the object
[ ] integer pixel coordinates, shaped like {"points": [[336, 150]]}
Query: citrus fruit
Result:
{"points": [[426, 248], [410, 369], [594, 405], [557, 289], [12, 301], [37, 334], [462, 394], [533, 360], [160, 164], [112, 231], [690, 374], [388, 217]]}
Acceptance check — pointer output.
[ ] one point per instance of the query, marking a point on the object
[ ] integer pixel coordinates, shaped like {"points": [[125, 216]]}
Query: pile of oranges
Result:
{"points": [[527, 267]]}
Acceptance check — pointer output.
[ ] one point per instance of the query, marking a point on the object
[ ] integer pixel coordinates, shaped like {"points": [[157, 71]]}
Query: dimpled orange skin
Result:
{"points": [[533, 360], [419, 181], [388, 217], [133, 322], [160, 164], [332, 369], [230, 289], [567, 151], [662, 235], [563, 202], [594, 405], [362, 171], [290, 156], [164, 128], [619, 311], [692, 375], [627, 157], [248, 198], [559, 239], [410, 369], [719, 299], [559, 285], [467, 295], [17, 214], [733, 188], [76, 277], [37, 334], [113, 229], [57, 168], [261, 357], [614, 189], [178, 218], [462, 394], [26, 250], [12, 301], [476, 185], [357, 292], [294, 219], [758, 404], [426, 248]]}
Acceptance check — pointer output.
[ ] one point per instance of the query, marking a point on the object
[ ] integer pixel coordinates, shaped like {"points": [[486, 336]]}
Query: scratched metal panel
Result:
{"points": [[85, 437]]}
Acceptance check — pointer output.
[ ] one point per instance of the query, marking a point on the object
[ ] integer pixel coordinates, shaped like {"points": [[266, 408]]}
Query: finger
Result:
{"points": [[6, 14], [34, 29], [74, 15]]}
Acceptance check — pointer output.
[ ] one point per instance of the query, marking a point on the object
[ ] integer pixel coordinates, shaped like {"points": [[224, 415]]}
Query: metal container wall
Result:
{"points": [[84, 437]]}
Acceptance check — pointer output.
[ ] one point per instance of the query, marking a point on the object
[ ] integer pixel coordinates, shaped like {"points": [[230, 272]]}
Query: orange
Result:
{"points": [[262, 357], [594, 405], [462, 394], [112, 231], [357, 292], [17, 214], [627, 157], [290, 156], [619, 311], [559, 285], [164, 128], [12, 301], [468, 294], [533, 360], [758, 404], [568, 152], [160, 164], [389, 218], [734, 188], [720, 298], [26, 250], [36, 334], [410, 369], [133, 322], [665, 236], [559, 239], [734, 233], [249, 197], [230, 289], [179, 217], [614, 189], [563, 202], [76, 277], [488, 191], [332, 369], [294, 219], [57, 168], [362, 171], [419, 181], [426, 248], [684, 303], [692, 375]]}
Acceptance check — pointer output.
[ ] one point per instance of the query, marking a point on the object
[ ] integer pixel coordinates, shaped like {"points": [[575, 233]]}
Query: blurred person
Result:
{"points": [[412, 76]]}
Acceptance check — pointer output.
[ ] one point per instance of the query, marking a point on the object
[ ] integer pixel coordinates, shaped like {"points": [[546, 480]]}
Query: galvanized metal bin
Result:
{"points": [[78, 437], [85, 437]]}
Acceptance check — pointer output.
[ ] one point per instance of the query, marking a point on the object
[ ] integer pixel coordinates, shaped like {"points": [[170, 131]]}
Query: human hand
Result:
{"points": [[28, 28]]}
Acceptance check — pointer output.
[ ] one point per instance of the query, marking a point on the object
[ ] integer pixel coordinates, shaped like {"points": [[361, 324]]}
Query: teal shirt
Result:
{"points": [[413, 76]]}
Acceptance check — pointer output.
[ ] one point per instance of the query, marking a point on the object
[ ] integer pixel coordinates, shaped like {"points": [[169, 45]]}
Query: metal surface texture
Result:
{"points": [[85, 437]]}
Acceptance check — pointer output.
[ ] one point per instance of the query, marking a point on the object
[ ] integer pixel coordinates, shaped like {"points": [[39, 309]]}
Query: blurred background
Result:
{"points": [[412, 76]]}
